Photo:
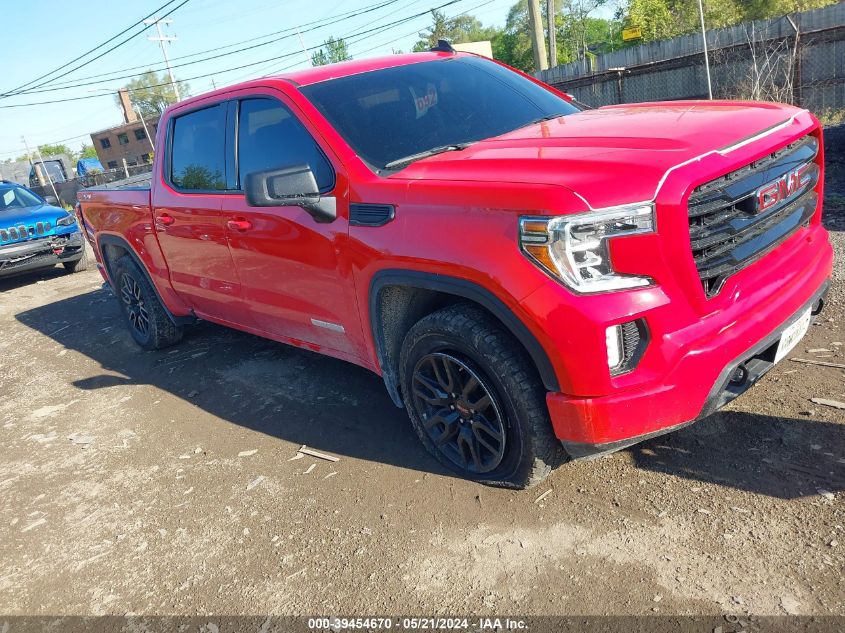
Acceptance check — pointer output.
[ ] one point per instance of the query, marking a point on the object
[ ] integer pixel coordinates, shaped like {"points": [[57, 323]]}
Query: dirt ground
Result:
{"points": [[163, 483]]}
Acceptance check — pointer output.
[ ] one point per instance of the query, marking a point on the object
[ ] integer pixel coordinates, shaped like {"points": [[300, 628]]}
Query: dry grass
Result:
{"points": [[831, 116]]}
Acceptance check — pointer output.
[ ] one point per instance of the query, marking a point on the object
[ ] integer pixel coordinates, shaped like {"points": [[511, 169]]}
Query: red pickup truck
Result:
{"points": [[533, 282]]}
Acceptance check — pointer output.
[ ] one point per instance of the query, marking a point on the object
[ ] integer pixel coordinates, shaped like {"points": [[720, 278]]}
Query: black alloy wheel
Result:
{"points": [[475, 400], [133, 300], [149, 322], [459, 412]]}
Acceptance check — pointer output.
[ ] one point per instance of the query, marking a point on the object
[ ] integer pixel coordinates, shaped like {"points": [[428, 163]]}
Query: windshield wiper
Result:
{"points": [[454, 147]]}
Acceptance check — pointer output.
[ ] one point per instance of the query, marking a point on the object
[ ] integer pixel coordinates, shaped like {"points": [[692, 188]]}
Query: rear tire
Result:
{"points": [[147, 319], [80, 264], [475, 400]]}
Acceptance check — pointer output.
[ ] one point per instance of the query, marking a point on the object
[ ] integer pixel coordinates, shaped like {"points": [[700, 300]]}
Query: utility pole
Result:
{"points": [[538, 41], [43, 166], [146, 131], [706, 56], [162, 40], [550, 11], [304, 50]]}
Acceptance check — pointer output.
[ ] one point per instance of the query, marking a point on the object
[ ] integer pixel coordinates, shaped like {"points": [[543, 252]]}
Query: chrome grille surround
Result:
{"points": [[728, 232]]}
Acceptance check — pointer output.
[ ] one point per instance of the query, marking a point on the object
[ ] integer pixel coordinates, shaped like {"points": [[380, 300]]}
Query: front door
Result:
{"points": [[288, 264], [188, 218]]}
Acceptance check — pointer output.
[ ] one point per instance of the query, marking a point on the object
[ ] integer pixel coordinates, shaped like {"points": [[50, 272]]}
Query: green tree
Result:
{"points": [[513, 44], [577, 31], [51, 150], [199, 177], [461, 28], [87, 151], [332, 51], [662, 19], [653, 17], [151, 93]]}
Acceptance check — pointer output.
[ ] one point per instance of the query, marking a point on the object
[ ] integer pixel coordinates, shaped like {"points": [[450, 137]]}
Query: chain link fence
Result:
{"points": [[68, 189], [798, 59]]}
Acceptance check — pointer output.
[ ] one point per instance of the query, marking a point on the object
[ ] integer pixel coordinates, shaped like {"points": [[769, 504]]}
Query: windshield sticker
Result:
{"points": [[425, 102], [8, 197]]}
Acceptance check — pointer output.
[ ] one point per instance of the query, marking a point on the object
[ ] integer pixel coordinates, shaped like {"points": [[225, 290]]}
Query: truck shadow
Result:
{"points": [[279, 390], [779, 457], [339, 408]]}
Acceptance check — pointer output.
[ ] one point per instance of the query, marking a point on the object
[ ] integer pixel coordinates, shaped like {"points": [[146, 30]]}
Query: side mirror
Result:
{"points": [[51, 200], [290, 186]]}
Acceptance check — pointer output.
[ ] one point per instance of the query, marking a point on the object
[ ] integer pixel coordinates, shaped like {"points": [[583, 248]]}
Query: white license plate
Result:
{"points": [[791, 335]]}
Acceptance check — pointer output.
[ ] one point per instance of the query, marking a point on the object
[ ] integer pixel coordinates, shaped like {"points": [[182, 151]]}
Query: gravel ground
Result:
{"points": [[163, 482]]}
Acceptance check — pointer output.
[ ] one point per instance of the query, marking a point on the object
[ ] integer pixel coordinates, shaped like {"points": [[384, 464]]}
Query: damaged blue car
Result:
{"points": [[34, 234]]}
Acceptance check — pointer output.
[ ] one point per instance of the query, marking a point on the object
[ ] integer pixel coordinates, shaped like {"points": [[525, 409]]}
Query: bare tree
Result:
{"points": [[772, 67]]}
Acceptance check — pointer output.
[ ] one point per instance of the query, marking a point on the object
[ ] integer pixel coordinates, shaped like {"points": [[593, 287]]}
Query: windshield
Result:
{"points": [[12, 197], [387, 115]]}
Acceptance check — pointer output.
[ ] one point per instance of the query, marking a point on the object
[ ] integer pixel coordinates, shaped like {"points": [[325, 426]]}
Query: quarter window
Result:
{"points": [[271, 137], [197, 150]]}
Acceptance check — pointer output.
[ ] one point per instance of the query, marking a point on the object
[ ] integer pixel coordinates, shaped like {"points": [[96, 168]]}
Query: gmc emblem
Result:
{"points": [[784, 187]]}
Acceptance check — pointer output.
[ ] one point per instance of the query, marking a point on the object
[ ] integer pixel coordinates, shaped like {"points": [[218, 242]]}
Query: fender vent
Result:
{"points": [[371, 214]]}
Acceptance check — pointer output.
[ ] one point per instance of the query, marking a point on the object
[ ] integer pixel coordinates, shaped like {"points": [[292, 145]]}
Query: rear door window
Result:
{"points": [[271, 137], [198, 150]]}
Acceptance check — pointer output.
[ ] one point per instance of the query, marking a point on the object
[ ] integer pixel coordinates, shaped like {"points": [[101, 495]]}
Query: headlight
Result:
{"points": [[573, 248], [67, 220]]}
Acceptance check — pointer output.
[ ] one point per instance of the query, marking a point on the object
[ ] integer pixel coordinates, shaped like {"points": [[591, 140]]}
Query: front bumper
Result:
{"points": [[682, 376], [40, 253], [750, 366]]}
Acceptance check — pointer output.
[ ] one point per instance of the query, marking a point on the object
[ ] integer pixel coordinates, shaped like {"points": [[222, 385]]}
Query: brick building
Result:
{"points": [[128, 140]]}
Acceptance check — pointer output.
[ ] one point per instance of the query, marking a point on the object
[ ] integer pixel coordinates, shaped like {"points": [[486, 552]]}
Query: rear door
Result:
{"points": [[187, 212], [288, 263]]}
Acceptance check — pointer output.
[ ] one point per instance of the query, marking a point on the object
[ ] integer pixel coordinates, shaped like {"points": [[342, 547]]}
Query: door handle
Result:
{"points": [[165, 219], [239, 224]]}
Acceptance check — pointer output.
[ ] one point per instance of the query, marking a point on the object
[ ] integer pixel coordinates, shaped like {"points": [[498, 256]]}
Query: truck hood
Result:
{"points": [[608, 156]]}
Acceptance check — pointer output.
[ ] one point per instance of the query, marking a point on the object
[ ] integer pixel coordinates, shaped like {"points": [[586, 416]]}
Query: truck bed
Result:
{"points": [[141, 181]]}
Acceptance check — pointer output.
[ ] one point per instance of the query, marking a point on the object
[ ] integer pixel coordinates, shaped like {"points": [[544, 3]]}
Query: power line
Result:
{"points": [[263, 61], [401, 37], [367, 50], [76, 59], [103, 54], [64, 140], [290, 33], [338, 18]]}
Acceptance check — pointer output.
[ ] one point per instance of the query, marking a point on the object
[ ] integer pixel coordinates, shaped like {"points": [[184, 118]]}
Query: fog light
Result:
{"points": [[625, 344], [613, 339]]}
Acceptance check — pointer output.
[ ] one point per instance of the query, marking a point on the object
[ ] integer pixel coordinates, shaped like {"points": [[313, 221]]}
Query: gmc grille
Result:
{"points": [[727, 232]]}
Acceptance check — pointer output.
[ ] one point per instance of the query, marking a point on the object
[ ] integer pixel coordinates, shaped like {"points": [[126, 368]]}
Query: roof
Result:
{"points": [[357, 66], [323, 73], [127, 127]]}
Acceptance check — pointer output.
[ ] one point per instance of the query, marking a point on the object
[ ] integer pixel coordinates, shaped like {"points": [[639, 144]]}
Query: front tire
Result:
{"points": [[475, 399], [147, 319], [80, 264]]}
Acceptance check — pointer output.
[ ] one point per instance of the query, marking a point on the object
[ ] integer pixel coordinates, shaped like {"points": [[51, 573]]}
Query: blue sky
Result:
{"points": [[45, 34]]}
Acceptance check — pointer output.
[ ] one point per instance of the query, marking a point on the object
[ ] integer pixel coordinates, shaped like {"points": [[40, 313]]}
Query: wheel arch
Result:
{"points": [[112, 247], [399, 298]]}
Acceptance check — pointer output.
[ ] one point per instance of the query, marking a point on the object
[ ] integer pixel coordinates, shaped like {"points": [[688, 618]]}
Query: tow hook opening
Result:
{"points": [[740, 375]]}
